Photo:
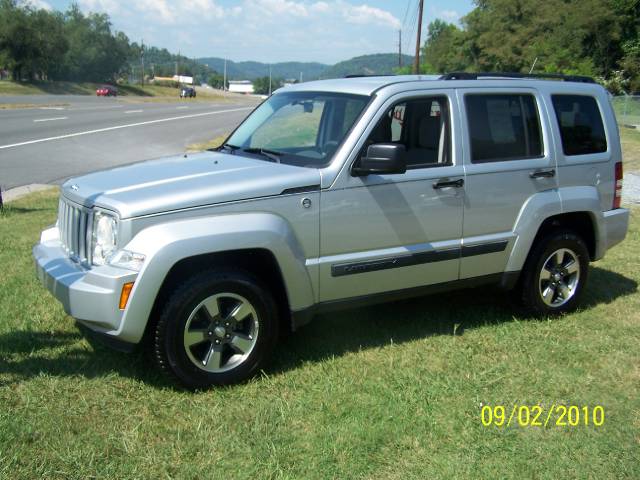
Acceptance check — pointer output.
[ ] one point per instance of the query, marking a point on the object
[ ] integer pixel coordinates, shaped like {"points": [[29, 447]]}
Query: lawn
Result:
{"points": [[388, 392]]}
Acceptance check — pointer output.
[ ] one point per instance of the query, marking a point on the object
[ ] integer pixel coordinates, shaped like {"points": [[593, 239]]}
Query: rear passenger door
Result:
{"points": [[508, 159]]}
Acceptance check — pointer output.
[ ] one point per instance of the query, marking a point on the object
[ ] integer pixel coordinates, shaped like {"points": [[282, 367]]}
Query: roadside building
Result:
{"points": [[240, 86]]}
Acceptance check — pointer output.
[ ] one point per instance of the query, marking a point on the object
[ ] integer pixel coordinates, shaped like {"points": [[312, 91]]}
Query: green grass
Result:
{"points": [[392, 391], [213, 143]]}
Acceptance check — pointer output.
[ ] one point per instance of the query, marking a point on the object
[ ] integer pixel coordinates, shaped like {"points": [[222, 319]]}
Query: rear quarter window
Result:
{"points": [[580, 122]]}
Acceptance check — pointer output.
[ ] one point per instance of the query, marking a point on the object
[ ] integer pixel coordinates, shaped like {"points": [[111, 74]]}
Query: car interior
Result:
{"points": [[422, 126]]}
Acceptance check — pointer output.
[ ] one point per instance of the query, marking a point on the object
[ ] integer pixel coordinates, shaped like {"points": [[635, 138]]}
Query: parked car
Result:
{"points": [[107, 91], [187, 92], [395, 187]]}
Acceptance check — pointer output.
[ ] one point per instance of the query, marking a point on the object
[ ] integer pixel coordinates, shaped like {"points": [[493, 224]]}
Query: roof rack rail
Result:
{"points": [[360, 75], [550, 76]]}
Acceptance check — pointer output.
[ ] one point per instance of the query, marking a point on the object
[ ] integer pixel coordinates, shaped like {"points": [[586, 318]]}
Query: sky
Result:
{"points": [[326, 31]]}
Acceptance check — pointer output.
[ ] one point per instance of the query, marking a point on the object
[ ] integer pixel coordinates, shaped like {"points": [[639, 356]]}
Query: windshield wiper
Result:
{"points": [[226, 146], [270, 154]]}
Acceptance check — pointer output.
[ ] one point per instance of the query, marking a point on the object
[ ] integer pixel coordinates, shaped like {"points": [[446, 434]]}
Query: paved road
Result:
{"points": [[51, 143]]}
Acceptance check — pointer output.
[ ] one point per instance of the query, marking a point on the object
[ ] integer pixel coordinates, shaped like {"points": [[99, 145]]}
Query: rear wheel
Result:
{"points": [[555, 274], [218, 328]]}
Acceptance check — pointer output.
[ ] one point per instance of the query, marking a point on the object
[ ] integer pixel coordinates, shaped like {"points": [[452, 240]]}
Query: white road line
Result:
{"points": [[133, 111], [51, 108], [117, 127], [50, 119]]}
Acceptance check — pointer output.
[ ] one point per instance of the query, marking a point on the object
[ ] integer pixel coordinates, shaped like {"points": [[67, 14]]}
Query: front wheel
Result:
{"points": [[555, 274], [218, 328]]}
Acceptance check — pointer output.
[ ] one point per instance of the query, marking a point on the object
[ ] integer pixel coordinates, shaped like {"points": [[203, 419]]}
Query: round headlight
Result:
{"points": [[105, 237]]}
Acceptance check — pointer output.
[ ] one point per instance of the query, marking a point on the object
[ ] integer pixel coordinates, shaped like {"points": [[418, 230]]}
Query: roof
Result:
{"points": [[357, 85], [369, 85]]}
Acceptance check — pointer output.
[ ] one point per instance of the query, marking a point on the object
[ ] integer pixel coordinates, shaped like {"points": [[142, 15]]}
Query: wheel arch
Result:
{"points": [[261, 243], [583, 223], [257, 261]]}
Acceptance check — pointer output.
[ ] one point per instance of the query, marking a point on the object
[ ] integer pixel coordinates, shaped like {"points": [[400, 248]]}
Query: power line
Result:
{"points": [[412, 28], [406, 12]]}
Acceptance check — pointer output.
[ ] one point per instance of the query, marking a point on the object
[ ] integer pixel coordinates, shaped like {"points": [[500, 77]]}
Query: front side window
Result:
{"points": [[298, 128], [422, 125], [503, 127], [580, 124]]}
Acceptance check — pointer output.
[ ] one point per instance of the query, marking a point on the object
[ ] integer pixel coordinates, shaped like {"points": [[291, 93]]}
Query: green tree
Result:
{"points": [[592, 37], [95, 53], [216, 80], [261, 85], [443, 50]]}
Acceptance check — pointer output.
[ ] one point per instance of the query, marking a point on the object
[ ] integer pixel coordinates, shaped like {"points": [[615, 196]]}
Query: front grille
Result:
{"points": [[73, 224]]}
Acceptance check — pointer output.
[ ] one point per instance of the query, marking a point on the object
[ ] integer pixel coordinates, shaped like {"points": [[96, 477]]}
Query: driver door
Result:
{"points": [[388, 233]]}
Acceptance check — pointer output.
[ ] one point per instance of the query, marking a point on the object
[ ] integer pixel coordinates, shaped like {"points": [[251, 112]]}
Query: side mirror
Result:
{"points": [[381, 158]]}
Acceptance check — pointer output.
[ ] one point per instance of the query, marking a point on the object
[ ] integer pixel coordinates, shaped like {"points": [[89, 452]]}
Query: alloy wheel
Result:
{"points": [[221, 332]]}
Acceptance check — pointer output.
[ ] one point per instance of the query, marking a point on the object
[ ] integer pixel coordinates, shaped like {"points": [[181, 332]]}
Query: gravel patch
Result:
{"points": [[631, 188]]}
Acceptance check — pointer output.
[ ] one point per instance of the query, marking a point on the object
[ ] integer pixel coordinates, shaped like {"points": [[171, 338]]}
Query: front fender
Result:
{"points": [[166, 244]]}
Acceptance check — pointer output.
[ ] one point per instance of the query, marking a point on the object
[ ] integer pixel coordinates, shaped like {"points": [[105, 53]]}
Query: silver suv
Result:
{"points": [[340, 193]]}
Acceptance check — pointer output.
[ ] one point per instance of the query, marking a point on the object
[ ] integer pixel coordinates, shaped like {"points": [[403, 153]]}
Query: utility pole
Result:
{"points": [[416, 63], [269, 80], [300, 77], [399, 48], [224, 78], [142, 61]]}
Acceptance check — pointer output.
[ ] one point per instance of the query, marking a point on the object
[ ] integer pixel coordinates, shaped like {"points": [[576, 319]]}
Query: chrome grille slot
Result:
{"points": [[73, 224]]}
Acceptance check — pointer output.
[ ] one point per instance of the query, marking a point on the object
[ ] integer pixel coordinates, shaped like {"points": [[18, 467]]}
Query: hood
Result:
{"points": [[184, 181]]}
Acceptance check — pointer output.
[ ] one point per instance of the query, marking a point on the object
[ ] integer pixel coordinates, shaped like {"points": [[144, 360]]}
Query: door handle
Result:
{"points": [[448, 183], [543, 173]]}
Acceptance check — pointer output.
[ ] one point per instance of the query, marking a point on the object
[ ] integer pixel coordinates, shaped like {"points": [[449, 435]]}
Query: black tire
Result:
{"points": [[169, 333], [532, 284]]}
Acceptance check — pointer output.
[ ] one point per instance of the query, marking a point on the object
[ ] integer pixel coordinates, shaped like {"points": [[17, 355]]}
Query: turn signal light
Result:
{"points": [[124, 295]]}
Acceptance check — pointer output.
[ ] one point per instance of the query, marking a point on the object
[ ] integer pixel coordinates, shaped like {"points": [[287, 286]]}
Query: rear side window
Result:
{"points": [[580, 124], [503, 127]]}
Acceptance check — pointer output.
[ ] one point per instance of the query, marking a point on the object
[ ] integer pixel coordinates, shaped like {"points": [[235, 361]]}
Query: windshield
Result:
{"points": [[298, 128]]}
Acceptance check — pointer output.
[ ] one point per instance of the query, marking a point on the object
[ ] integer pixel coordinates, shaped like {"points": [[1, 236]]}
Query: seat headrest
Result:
{"points": [[429, 130]]}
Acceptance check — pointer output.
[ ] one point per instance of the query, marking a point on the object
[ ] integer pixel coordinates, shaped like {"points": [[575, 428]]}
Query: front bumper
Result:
{"points": [[91, 296]]}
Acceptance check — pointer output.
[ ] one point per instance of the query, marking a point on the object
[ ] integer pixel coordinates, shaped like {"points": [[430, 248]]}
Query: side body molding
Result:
{"points": [[166, 244]]}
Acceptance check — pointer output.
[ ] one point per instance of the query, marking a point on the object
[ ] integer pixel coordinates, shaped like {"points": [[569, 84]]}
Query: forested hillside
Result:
{"points": [[376, 64], [250, 70]]}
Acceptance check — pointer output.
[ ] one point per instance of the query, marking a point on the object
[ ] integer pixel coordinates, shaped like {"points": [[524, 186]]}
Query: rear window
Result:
{"points": [[580, 124], [503, 127]]}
